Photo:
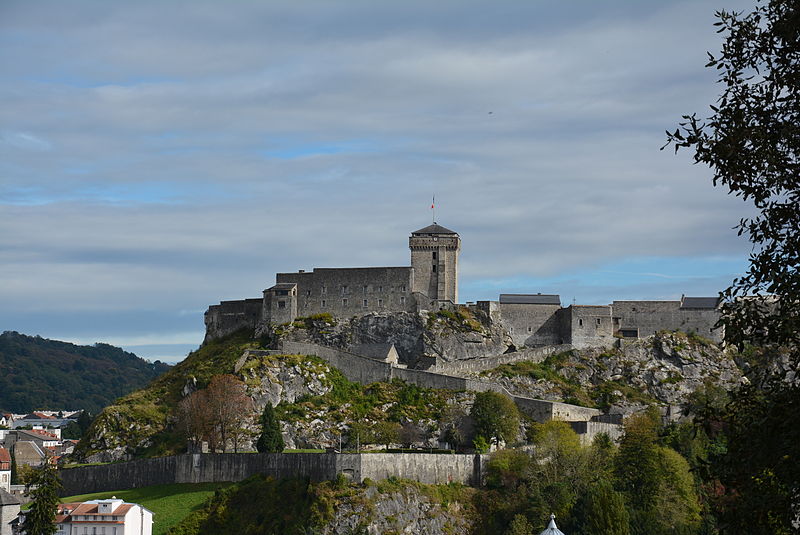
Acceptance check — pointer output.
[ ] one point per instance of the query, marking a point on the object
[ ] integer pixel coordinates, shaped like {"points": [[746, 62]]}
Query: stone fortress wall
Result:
{"points": [[436, 469], [347, 292], [431, 282]]}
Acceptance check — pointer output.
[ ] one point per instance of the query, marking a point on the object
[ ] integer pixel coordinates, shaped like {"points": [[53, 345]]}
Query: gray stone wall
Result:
{"points": [[210, 467], [343, 292], [589, 326], [544, 411], [230, 316], [356, 368], [463, 367], [587, 431], [531, 325], [653, 316]]}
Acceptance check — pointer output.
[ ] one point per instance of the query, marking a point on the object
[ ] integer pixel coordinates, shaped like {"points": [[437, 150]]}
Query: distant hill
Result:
{"points": [[39, 373]]}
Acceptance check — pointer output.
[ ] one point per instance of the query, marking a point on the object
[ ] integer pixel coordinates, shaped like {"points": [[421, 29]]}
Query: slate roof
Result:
{"points": [[433, 229], [699, 302], [530, 299], [552, 529], [7, 499]]}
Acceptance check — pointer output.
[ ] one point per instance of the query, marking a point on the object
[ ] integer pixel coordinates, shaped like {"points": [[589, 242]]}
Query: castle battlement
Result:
{"points": [[431, 281]]}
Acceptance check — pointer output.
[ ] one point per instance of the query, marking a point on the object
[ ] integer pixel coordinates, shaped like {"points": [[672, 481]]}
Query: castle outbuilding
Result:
{"points": [[431, 283]]}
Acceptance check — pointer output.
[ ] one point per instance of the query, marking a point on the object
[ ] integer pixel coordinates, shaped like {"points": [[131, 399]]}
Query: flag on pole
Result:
{"points": [[433, 202]]}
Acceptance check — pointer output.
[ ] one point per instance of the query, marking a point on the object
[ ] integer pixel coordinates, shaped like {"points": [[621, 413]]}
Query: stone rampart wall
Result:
{"points": [[531, 324], [342, 291], [463, 367], [230, 316], [364, 370], [356, 368], [653, 316], [587, 431], [210, 467]]}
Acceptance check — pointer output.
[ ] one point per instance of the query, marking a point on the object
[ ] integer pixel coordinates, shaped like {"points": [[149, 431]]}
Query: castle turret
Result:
{"points": [[434, 257]]}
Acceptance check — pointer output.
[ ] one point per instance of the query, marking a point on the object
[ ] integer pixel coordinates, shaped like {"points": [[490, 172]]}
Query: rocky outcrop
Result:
{"points": [[421, 339], [404, 510], [662, 369]]}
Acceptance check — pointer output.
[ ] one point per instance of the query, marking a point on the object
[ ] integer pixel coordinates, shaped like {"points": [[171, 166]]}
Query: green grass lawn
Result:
{"points": [[169, 503]]}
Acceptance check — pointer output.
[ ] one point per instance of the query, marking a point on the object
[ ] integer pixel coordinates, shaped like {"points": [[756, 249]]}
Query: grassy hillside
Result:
{"points": [[170, 504], [132, 421], [39, 373]]}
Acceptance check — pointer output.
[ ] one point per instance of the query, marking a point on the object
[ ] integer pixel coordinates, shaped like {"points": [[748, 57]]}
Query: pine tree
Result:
{"points": [[43, 485], [271, 440]]}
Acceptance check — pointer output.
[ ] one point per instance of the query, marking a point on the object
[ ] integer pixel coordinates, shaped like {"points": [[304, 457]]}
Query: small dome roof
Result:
{"points": [[552, 529], [436, 228]]}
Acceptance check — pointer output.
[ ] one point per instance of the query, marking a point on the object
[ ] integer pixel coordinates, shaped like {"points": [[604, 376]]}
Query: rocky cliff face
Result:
{"points": [[663, 369], [405, 510], [420, 339]]}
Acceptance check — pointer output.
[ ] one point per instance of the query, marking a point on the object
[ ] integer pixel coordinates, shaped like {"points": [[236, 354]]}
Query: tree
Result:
{"points": [[194, 418], [43, 486], [519, 526], [270, 440], [230, 409], [496, 417], [386, 432], [604, 511], [751, 142]]}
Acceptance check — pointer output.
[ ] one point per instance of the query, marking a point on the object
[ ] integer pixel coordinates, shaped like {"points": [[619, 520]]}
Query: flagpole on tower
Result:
{"points": [[433, 209]]}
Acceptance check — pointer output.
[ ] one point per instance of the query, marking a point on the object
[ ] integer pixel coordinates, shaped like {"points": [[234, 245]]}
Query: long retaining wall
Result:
{"points": [[534, 354], [365, 370], [210, 467]]}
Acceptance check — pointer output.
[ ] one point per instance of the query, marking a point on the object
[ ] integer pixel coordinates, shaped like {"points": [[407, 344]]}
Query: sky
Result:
{"points": [[158, 157]]}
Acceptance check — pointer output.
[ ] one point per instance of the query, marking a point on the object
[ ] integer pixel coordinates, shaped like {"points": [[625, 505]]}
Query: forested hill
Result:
{"points": [[37, 373]]}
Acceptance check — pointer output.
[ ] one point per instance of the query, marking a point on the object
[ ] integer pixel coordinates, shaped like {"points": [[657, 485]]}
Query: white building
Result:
{"points": [[5, 470], [103, 517]]}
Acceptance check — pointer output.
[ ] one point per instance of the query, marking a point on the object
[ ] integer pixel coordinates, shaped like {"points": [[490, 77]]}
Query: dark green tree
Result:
{"points": [[519, 526], [604, 512], [270, 440], [14, 469], [496, 417], [751, 142], [43, 485]]}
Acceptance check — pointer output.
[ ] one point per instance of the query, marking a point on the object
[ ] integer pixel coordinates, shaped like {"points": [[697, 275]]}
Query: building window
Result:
{"points": [[281, 304], [344, 289], [365, 289], [282, 292], [529, 329], [434, 255], [434, 268], [580, 323], [324, 289], [380, 302], [380, 289], [344, 302], [323, 303], [403, 288], [366, 303], [308, 293], [402, 300]]}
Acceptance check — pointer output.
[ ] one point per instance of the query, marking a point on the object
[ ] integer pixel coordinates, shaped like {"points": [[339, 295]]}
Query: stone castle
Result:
{"points": [[431, 283]]}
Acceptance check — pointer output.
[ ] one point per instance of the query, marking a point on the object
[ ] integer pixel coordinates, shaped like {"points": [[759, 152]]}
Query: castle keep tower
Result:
{"points": [[434, 257]]}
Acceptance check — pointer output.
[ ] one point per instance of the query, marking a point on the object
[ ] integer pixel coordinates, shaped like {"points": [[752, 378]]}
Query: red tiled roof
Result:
{"points": [[42, 415], [5, 457], [43, 433], [91, 509]]}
